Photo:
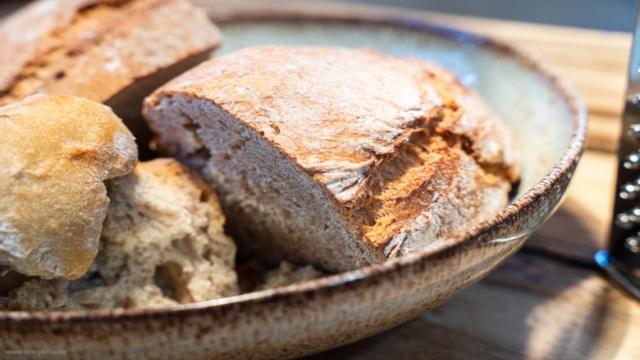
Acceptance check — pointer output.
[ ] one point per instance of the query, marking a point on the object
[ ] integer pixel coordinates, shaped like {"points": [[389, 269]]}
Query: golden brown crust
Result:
{"points": [[96, 48], [55, 153], [387, 137]]}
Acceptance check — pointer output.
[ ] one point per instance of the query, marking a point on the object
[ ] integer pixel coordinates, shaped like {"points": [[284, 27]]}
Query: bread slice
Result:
{"points": [[336, 157], [112, 51], [162, 243], [55, 154]]}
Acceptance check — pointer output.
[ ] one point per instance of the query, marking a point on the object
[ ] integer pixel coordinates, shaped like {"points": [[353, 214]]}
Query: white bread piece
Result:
{"points": [[55, 154], [112, 51], [336, 157], [162, 243]]}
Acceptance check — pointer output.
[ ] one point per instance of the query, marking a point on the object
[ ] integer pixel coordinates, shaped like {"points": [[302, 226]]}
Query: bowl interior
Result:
{"points": [[535, 113]]}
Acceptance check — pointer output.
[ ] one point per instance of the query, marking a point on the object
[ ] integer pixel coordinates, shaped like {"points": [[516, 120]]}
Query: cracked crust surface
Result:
{"points": [[55, 154], [406, 152], [95, 48]]}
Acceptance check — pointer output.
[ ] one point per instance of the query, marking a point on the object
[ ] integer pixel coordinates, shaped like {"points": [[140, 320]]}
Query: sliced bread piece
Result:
{"points": [[55, 154], [336, 157]]}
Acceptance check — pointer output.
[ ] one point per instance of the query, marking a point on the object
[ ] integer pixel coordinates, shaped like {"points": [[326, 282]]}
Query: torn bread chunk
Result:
{"points": [[336, 157], [112, 51], [162, 244], [55, 154]]}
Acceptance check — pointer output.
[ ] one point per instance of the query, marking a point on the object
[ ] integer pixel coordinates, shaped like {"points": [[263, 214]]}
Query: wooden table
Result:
{"points": [[548, 300]]}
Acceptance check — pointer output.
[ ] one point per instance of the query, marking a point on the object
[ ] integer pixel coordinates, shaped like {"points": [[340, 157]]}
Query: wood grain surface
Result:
{"points": [[547, 301]]}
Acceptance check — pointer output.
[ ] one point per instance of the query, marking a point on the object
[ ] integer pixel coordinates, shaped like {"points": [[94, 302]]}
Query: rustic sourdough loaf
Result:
{"points": [[55, 154], [336, 157], [162, 243], [111, 51]]}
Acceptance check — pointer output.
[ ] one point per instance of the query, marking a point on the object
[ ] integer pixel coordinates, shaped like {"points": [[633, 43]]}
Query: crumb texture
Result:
{"points": [[162, 244], [55, 154]]}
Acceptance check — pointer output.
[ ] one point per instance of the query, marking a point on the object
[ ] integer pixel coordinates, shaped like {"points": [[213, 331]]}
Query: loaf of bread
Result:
{"points": [[336, 157], [162, 243], [55, 154], [111, 51]]}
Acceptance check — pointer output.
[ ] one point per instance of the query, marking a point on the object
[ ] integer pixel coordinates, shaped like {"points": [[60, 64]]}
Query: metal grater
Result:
{"points": [[623, 256]]}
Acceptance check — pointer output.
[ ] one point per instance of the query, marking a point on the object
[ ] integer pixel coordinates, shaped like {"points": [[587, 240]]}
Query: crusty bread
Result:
{"points": [[336, 157], [162, 243], [111, 51], [55, 154]]}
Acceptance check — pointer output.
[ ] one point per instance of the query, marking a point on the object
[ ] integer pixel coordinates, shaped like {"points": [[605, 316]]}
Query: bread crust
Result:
{"points": [[111, 51], [55, 154], [388, 138]]}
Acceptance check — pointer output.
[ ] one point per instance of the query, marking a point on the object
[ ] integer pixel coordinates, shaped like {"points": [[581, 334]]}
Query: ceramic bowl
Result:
{"points": [[546, 118]]}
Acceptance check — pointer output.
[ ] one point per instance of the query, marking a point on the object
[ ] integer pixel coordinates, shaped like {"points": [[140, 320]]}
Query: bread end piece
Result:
{"points": [[56, 152], [337, 157]]}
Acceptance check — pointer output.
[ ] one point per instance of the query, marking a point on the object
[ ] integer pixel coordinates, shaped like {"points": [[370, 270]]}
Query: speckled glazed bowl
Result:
{"points": [[546, 118]]}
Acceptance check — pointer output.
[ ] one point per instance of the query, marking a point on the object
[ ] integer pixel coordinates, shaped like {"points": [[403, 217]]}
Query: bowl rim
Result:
{"points": [[364, 15]]}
